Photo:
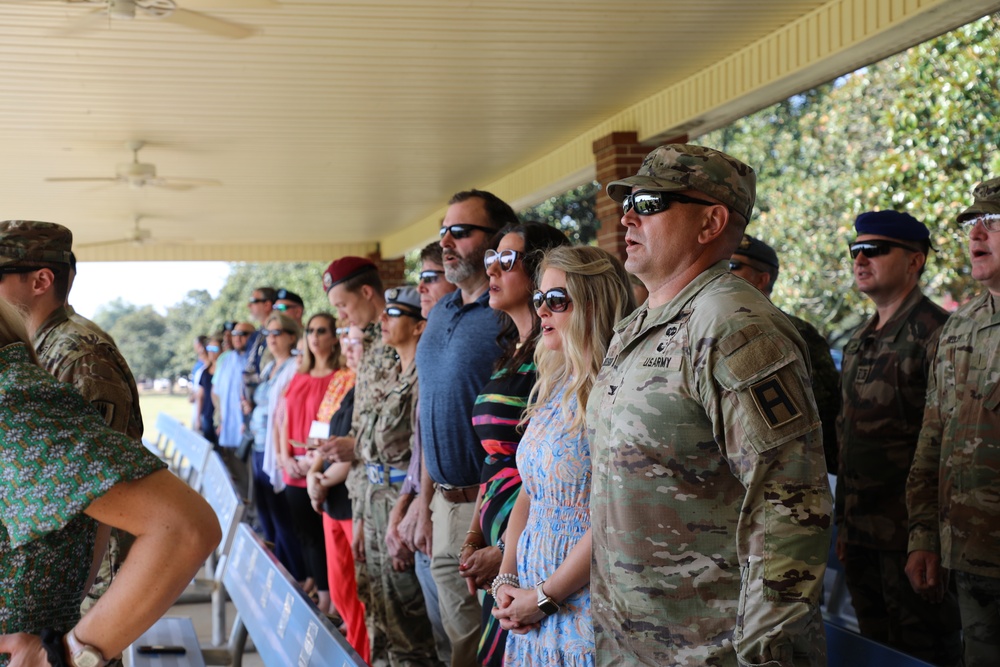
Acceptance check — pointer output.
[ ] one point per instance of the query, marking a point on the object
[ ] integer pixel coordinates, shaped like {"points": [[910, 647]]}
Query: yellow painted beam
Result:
{"points": [[836, 38], [230, 252]]}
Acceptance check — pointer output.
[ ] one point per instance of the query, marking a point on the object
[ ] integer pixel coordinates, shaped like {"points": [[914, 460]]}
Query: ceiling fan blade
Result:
{"points": [[81, 179], [209, 24], [98, 244], [230, 4], [190, 182]]}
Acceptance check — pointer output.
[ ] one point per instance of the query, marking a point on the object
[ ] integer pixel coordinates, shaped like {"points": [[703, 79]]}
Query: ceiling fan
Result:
{"points": [[139, 174], [166, 10], [137, 236]]}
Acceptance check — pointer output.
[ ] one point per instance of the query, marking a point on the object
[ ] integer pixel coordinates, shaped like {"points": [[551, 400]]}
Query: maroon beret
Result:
{"points": [[344, 268]]}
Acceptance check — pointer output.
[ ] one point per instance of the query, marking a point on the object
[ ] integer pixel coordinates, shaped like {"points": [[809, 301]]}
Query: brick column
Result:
{"points": [[616, 155], [392, 271]]}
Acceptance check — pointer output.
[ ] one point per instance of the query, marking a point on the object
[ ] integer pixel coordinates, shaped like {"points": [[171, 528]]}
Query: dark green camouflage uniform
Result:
{"points": [[825, 385], [884, 384], [710, 507]]}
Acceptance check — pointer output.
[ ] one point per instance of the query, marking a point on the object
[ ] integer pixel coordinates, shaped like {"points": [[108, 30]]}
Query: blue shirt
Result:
{"points": [[228, 385], [455, 359]]}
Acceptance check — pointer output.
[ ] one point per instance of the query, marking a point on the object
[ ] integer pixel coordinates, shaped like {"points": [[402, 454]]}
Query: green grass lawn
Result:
{"points": [[175, 405]]}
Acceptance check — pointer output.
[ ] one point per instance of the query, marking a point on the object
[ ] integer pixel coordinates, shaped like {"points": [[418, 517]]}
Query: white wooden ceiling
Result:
{"points": [[337, 123]]}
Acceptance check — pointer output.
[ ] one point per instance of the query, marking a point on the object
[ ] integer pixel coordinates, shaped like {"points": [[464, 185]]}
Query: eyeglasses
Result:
{"points": [[875, 248], [393, 311], [319, 331], [18, 270], [211, 348], [647, 202], [283, 307], [343, 331], [507, 258], [556, 299], [459, 232], [240, 333], [255, 300], [350, 341], [991, 222], [275, 332], [430, 276]]}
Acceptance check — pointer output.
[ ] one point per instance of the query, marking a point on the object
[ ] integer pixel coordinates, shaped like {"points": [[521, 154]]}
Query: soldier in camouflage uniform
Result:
{"points": [[35, 260], [885, 369], [952, 492], [710, 507], [354, 288], [757, 263], [397, 601]]}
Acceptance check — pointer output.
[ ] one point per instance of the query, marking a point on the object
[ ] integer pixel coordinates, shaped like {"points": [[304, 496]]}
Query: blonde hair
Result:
{"points": [[599, 288], [307, 362], [14, 329]]}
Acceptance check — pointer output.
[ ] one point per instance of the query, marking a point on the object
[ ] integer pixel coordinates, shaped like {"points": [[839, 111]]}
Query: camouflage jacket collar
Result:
{"points": [[987, 304], [643, 319], [895, 325], [55, 318]]}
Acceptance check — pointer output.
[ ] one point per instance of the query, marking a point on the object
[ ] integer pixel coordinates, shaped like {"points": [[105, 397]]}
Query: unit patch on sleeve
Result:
{"points": [[773, 402]]}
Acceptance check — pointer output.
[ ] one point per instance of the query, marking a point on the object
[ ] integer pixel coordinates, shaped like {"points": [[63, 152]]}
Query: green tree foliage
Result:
{"points": [[914, 132], [574, 212], [108, 314], [140, 335], [182, 325]]}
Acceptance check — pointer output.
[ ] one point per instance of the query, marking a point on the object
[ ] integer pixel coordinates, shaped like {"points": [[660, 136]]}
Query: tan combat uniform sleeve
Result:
{"points": [[922, 482], [766, 419], [103, 386]]}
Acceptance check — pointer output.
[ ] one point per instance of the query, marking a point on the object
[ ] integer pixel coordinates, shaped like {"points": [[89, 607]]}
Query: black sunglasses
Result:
{"points": [[875, 248], [459, 232], [393, 311], [556, 299], [430, 276], [507, 258], [253, 301], [319, 331], [275, 332], [647, 202]]}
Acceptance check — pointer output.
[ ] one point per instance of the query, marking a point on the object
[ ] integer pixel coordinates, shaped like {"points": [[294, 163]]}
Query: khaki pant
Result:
{"points": [[461, 613]]}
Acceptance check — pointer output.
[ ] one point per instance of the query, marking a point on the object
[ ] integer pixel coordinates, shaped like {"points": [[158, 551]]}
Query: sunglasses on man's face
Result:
{"points": [[507, 258], [430, 276], [556, 299], [462, 231], [875, 248], [647, 202], [256, 300], [319, 331]]}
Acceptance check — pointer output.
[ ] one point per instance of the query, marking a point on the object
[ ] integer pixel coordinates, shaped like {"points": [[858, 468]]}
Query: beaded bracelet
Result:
{"points": [[504, 580]]}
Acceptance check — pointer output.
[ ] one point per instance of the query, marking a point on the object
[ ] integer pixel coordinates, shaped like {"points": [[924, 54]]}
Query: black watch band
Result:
{"points": [[52, 642]]}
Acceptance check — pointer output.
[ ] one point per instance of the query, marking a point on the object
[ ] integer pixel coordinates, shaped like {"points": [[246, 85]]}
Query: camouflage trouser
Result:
{"points": [[376, 638], [397, 601], [890, 612], [119, 543], [979, 600]]}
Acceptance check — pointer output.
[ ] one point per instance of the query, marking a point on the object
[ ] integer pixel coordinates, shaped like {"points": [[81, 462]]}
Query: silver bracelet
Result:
{"points": [[502, 580]]}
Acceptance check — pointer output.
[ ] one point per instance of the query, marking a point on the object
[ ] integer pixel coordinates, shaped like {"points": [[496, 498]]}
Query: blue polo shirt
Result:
{"points": [[455, 358]]}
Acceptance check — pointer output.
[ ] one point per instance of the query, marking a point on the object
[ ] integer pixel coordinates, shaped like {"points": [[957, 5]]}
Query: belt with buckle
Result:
{"points": [[381, 474], [458, 494]]}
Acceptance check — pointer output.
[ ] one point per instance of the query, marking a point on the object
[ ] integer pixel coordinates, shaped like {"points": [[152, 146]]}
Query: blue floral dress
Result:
{"points": [[555, 473]]}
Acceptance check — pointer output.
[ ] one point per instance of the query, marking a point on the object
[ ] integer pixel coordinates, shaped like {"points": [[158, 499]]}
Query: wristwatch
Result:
{"points": [[547, 605], [83, 655]]}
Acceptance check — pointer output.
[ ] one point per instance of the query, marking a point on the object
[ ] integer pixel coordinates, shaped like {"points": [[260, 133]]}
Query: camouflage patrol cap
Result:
{"points": [[676, 167], [30, 241], [754, 248], [987, 201]]}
